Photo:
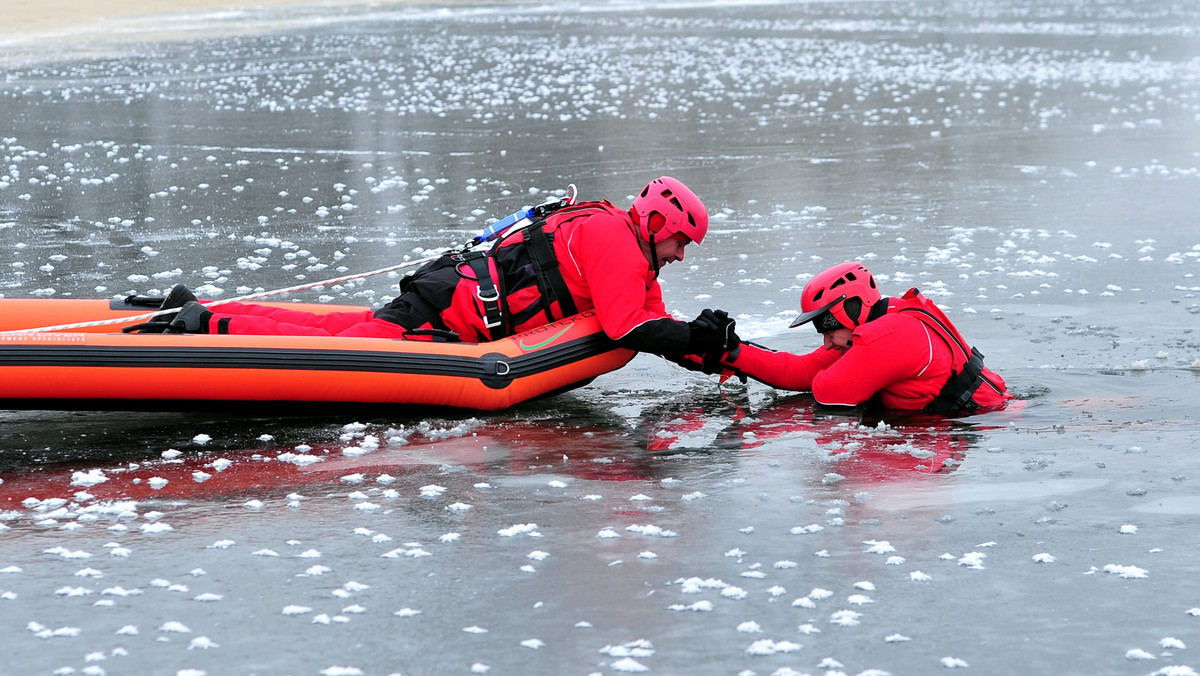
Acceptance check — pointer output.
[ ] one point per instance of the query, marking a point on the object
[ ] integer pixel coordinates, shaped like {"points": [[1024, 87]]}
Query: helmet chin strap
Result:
{"points": [[654, 265]]}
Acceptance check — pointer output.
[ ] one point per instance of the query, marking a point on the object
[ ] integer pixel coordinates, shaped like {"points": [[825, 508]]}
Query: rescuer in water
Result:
{"points": [[903, 353]]}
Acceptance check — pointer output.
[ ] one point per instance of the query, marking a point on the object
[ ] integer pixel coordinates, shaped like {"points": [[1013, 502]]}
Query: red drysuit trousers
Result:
{"points": [[263, 320]]}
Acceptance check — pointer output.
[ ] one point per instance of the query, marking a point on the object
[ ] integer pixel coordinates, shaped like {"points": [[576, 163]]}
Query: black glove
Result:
{"points": [[712, 333]]}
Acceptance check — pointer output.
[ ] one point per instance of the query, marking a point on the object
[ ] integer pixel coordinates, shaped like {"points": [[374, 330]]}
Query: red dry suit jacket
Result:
{"points": [[601, 261], [896, 356]]}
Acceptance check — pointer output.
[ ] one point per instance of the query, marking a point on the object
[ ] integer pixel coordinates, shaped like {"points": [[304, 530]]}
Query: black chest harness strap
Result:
{"points": [[491, 293], [958, 392], [488, 293], [550, 281]]}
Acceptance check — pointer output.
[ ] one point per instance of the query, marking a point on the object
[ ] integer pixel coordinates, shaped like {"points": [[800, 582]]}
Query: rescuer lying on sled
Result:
{"points": [[568, 259], [902, 352]]}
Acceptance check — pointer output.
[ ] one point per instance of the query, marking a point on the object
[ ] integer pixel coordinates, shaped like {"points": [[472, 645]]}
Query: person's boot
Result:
{"points": [[178, 296], [191, 318]]}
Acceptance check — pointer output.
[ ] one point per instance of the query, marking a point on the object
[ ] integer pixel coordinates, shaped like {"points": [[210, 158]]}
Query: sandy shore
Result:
{"points": [[35, 17], [24, 21]]}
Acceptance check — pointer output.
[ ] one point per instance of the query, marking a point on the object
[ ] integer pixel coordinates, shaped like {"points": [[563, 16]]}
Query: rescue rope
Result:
{"points": [[239, 299]]}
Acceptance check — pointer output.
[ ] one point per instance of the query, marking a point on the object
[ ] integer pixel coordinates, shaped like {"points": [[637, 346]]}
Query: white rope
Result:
{"points": [[252, 296]]}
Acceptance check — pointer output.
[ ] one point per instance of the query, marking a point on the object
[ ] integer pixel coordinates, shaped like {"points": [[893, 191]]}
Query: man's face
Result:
{"points": [[670, 249], [838, 339]]}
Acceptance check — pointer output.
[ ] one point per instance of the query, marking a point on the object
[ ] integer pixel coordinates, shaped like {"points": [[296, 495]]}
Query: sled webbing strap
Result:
{"points": [[550, 281]]}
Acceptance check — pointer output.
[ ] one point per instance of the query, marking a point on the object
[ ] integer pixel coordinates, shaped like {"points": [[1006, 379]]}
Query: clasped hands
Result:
{"points": [[713, 336]]}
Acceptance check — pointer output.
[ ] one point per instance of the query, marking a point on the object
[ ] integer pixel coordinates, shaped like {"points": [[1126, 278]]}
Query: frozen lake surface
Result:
{"points": [[1032, 167]]}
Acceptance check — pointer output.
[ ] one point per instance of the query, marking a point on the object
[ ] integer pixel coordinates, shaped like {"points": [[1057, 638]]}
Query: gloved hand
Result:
{"points": [[713, 334]]}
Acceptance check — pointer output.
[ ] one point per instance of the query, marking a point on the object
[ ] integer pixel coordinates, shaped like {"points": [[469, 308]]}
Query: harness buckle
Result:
{"points": [[491, 306]]}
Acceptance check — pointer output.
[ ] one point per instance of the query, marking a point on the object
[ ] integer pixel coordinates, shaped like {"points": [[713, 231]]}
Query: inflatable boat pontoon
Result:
{"points": [[102, 368]]}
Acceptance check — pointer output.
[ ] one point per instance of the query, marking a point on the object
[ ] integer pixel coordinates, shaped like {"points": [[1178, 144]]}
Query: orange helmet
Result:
{"points": [[839, 297]]}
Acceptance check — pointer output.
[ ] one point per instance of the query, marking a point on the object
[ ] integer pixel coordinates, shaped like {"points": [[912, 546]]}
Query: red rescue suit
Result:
{"points": [[593, 251], [906, 358]]}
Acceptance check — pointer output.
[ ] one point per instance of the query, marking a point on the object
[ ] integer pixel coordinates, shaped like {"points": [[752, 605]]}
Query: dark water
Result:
{"points": [[1032, 167]]}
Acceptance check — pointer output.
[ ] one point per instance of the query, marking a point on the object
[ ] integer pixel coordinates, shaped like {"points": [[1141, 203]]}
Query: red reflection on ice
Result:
{"points": [[490, 449], [864, 448]]}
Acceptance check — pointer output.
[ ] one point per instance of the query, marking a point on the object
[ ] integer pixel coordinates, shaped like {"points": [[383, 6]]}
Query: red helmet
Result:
{"points": [[832, 290], [682, 211]]}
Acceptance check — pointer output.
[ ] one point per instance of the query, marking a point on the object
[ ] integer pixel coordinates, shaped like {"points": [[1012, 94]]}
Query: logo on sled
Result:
{"points": [[562, 326]]}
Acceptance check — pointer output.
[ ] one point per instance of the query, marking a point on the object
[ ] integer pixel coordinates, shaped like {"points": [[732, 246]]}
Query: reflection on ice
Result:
{"points": [[918, 497], [1183, 504]]}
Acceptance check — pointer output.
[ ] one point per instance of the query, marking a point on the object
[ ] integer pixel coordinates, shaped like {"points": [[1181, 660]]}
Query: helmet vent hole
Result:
{"points": [[838, 283], [818, 296]]}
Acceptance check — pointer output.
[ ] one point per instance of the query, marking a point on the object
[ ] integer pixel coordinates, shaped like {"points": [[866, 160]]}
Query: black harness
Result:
{"points": [[428, 291], [488, 292], [959, 391], [550, 281]]}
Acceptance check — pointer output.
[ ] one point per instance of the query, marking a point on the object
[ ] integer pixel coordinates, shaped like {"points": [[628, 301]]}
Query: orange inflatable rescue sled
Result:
{"points": [[101, 368]]}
